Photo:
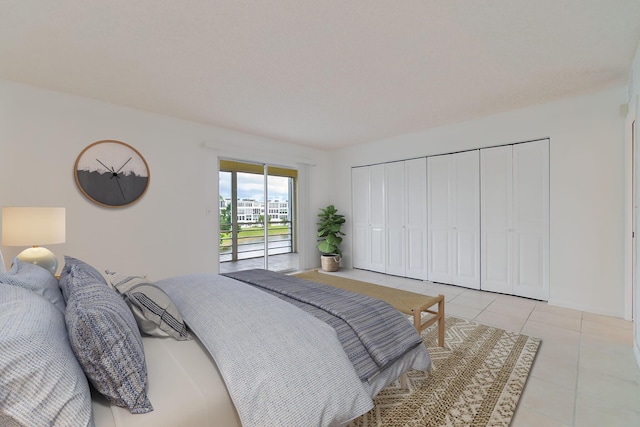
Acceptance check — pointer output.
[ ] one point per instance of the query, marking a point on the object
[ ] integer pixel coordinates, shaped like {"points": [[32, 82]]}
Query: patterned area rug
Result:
{"points": [[477, 380]]}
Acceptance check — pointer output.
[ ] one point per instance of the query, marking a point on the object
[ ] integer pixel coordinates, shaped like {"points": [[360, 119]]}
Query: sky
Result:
{"points": [[250, 186]]}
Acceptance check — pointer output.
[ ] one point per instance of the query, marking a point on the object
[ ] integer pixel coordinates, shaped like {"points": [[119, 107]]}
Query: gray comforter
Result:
{"points": [[281, 365], [372, 332]]}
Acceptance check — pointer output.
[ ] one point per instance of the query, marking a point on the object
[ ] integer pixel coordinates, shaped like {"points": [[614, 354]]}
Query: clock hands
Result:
{"points": [[119, 186], [124, 164], [106, 167], [111, 169], [115, 174]]}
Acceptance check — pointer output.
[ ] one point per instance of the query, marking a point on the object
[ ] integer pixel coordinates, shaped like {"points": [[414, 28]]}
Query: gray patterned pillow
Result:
{"points": [[154, 311], [41, 382], [36, 279], [104, 337]]}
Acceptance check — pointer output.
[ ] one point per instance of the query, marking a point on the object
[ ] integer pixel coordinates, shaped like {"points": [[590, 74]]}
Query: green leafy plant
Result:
{"points": [[329, 230]]}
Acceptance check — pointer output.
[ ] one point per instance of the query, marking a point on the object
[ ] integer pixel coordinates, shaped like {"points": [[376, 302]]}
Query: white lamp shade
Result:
{"points": [[32, 226]]}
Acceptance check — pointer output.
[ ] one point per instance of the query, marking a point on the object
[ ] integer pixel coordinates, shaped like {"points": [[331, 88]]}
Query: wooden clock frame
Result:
{"points": [[111, 173]]}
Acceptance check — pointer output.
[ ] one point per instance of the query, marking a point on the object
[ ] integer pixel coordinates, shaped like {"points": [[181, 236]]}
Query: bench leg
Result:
{"points": [[417, 320], [439, 317]]}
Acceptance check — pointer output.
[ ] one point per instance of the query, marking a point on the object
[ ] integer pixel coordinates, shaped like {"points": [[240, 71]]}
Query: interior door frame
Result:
{"points": [[632, 252]]}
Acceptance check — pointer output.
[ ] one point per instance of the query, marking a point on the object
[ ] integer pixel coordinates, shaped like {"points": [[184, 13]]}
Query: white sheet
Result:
{"points": [[185, 388]]}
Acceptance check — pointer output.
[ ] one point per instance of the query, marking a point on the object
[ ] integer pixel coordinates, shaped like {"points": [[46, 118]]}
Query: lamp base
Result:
{"points": [[41, 257]]}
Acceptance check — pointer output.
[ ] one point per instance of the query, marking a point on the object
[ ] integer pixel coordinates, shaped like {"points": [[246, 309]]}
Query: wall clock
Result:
{"points": [[111, 173]]}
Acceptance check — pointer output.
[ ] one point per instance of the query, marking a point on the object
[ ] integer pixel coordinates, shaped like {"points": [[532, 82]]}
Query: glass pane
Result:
{"points": [[224, 183], [250, 215], [279, 215]]}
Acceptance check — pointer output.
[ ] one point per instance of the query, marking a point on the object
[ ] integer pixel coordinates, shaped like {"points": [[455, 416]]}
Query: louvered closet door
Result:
{"points": [[531, 219], [360, 209], [395, 218], [416, 218]]}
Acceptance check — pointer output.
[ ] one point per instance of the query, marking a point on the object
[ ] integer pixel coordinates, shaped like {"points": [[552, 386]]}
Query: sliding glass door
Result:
{"points": [[257, 216]]}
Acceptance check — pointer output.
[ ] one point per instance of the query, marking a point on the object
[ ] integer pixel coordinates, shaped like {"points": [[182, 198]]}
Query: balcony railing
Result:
{"points": [[250, 242]]}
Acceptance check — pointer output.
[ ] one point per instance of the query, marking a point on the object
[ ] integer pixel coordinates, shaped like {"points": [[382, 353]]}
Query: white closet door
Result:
{"points": [[515, 219], [497, 223], [395, 218], [454, 219], [416, 218], [360, 209], [439, 218], [466, 222], [531, 219], [377, 205]]}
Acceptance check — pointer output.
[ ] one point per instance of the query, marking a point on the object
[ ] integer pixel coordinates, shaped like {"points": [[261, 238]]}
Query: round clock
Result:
{"points": [[111, 173]]}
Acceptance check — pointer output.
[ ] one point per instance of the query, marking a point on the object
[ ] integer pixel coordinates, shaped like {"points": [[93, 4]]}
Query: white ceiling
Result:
{"points": [[322, 73]]}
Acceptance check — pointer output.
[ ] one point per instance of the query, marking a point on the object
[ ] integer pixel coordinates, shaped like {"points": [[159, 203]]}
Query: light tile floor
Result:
{"points": [[585, 373]]}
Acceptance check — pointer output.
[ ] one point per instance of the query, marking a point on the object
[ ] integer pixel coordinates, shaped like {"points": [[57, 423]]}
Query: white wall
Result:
{"points": [[168, 231], [587, 180]]}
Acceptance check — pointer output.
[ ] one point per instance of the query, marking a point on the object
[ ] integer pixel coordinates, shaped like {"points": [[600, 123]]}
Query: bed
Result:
{"points": [[248, 357]]}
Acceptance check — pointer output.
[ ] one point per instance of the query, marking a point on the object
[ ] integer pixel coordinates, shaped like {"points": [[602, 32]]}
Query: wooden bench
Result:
{"points": [[410, 303]]}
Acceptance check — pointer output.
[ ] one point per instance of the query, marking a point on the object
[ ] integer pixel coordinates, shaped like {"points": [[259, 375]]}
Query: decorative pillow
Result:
{"points": [[104, 337], [36, 279], [154, 311], [41, 382]]}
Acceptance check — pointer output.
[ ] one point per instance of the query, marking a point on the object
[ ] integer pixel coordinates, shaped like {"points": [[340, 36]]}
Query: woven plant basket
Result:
{"points": [[330, 262]]}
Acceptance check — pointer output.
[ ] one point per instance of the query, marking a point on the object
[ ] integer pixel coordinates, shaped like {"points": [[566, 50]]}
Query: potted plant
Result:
{"points": [[329, 234]]}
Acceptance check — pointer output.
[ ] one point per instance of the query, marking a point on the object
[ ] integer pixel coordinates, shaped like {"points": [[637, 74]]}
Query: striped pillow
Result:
{"points": [[154, 311], [104, 337]]}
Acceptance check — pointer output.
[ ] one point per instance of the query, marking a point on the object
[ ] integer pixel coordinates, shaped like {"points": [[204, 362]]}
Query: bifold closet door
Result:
{"points": [[395, 205], [369, 217], [515, 219], [496, 166], [531, 219], [360, 209], [377, 242], [416, 218], [453, 200], [389, 218]]}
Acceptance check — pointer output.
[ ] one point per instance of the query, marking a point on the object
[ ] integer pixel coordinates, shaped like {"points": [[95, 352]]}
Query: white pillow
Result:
{"points": [[41, 382], [36, 279], [2, 267]]}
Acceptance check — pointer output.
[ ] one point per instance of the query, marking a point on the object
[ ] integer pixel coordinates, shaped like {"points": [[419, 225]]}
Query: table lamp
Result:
{"points": [[34, 226]]}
